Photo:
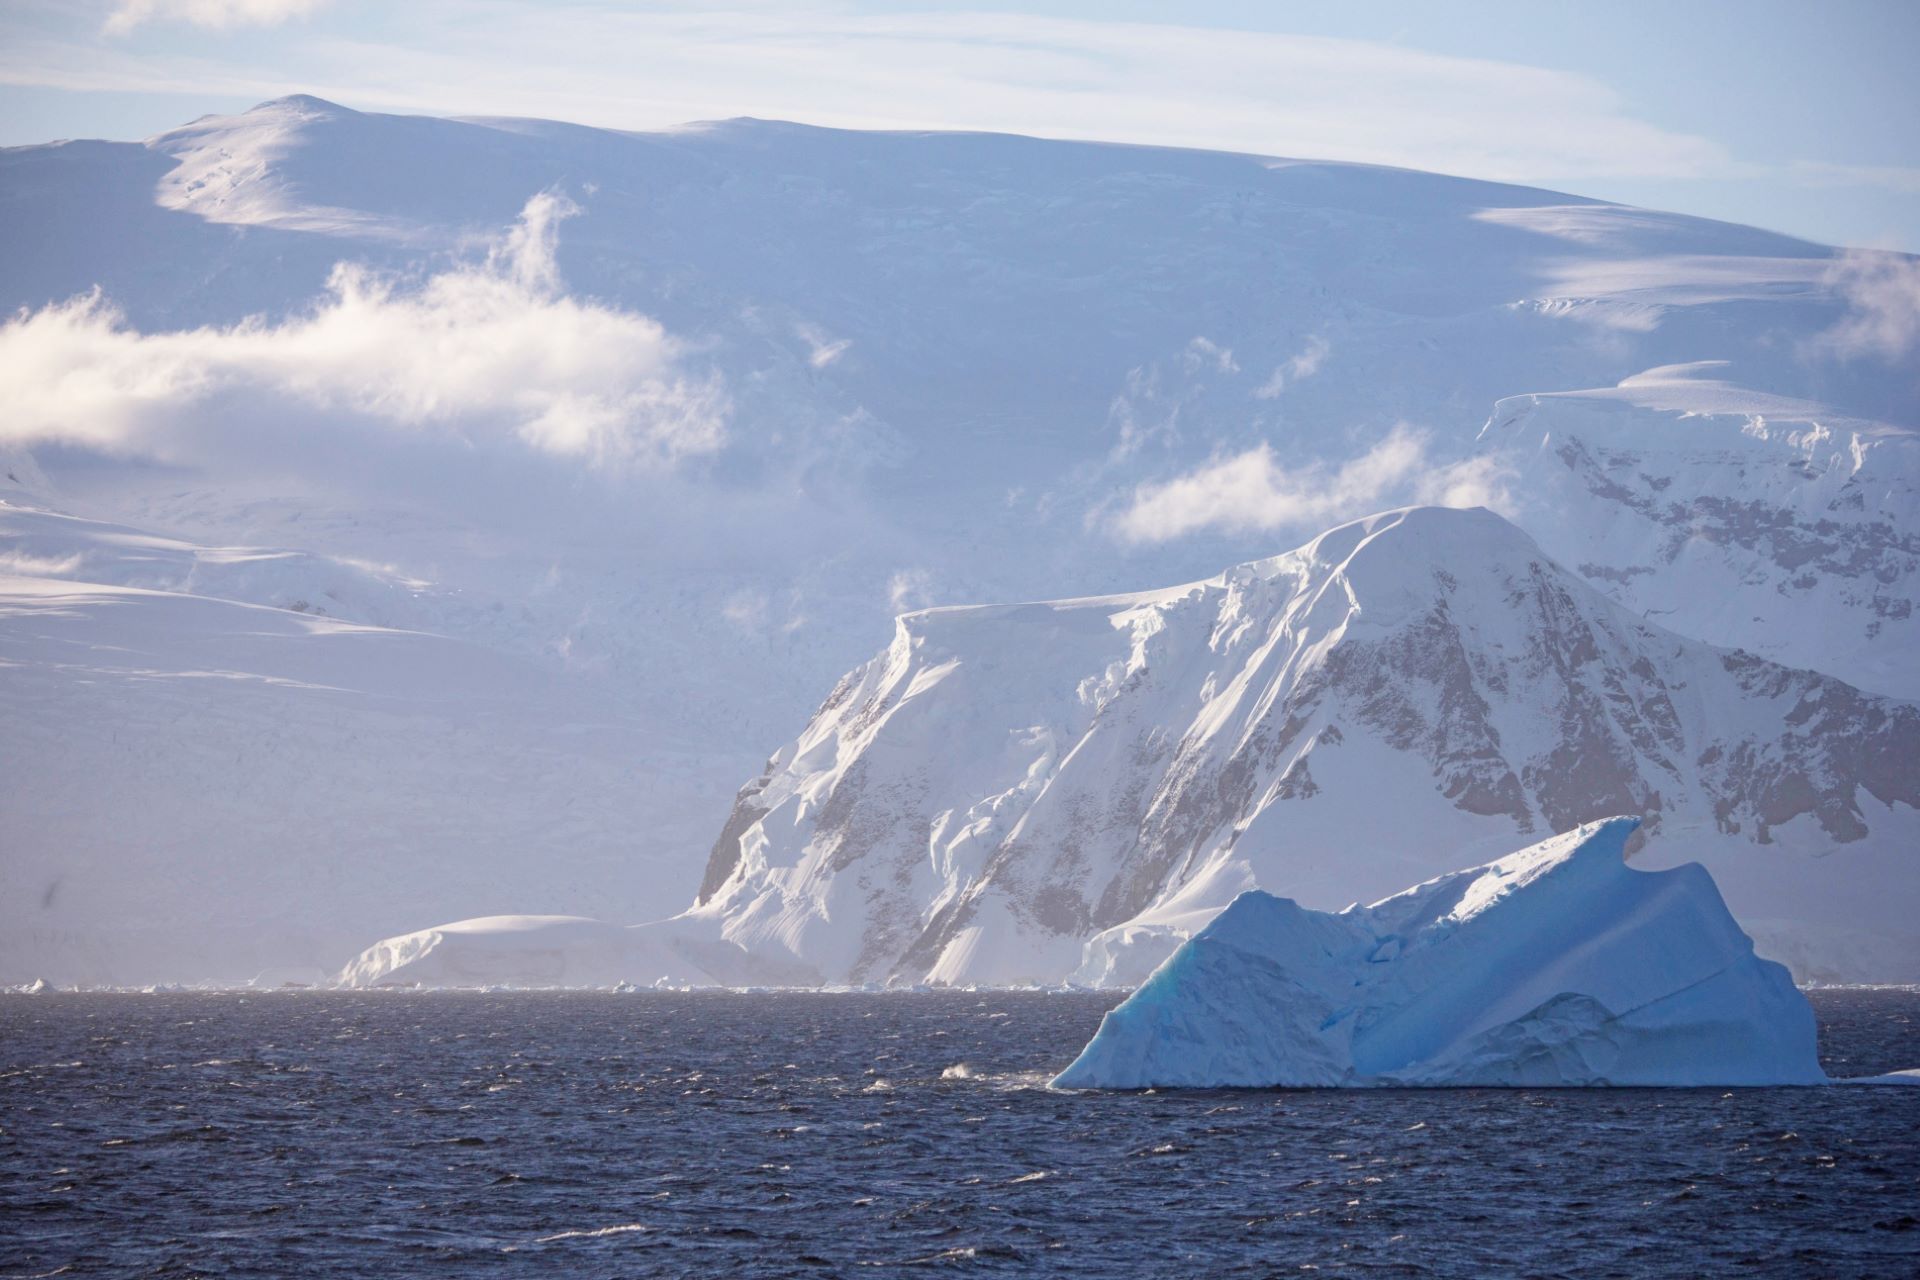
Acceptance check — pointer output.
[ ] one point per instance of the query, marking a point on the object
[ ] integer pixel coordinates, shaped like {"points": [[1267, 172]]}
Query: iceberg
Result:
{"points": [[509, 950], [1556, 965], [528, 951]]}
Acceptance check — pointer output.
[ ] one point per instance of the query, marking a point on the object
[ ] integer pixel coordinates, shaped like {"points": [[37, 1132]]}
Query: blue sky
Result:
{"points": [[1793, 116]]}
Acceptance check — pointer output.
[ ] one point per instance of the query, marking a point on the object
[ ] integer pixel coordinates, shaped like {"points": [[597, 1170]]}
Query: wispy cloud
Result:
{"points": [[909, 589], [1205, 353], [481, 351], [1253, 492], [746, 609], [1304, 363], [1882, 294], [821, 349], [759, 613], [218, 14]]}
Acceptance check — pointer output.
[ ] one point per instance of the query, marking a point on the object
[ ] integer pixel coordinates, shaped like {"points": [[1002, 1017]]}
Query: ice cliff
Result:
{"points": [[1556, 965]]}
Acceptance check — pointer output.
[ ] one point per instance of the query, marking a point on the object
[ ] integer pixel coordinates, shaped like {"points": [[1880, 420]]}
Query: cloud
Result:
{"points": [[821, 350], [1471, 482], [1882, 293], [485, 351], [1252, 492], [1203, 352], [217, 14], [657, 65], [764, 615], [909, 589], [746, 609], [28, 565], [1302, 364]]}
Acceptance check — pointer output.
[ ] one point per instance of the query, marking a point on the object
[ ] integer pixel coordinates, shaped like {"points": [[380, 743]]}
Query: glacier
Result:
{"points": [[1556, 965]]}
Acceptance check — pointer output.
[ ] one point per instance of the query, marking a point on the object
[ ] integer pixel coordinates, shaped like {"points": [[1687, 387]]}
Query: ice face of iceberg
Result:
{"points": [[1556, 965], [519, 951], [565, 951]]}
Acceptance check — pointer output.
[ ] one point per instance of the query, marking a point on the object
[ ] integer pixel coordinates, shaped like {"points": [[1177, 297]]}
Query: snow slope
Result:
{"points": [[196, 785], [1556, 965], [681, 456]]}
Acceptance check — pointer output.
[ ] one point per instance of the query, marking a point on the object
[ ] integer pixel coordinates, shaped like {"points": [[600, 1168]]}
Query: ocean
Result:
{"points": [[400, 1134]]}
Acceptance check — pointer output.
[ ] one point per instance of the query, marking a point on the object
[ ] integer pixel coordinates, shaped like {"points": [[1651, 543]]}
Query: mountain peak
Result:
{"points": [[1431, 532], [299, 104], [1404, 534]]}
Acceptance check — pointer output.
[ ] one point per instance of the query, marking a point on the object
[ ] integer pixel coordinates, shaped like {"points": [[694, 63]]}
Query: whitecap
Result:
{"points": [[592, 1234]]}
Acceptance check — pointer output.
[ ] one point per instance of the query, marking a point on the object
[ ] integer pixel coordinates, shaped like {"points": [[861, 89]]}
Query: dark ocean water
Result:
{"points": [[592, 1135]]}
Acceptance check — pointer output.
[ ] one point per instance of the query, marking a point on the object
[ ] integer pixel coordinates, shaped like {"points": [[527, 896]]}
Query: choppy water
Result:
{"points": [[389, 1134]]}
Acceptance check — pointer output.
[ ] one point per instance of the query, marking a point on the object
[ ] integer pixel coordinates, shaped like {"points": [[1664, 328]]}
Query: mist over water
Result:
{"points": [[389, 1134]]}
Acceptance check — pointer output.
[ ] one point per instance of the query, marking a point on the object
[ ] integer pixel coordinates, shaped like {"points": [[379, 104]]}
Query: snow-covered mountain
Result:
{"points": [[1741, 518], [1066, 790], [667, 428], [1022, 793]]}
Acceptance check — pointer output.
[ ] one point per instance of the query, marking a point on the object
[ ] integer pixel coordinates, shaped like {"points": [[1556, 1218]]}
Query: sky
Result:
{"points": [[1795, 117]]}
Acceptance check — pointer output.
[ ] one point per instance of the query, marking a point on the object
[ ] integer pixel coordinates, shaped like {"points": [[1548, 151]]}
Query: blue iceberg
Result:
{"points": [[1556, 965]]}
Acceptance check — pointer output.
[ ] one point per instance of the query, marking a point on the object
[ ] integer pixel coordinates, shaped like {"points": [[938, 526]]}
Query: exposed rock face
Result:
{"points": [[1021, 793], [1746, 519], [1556, 965]]}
